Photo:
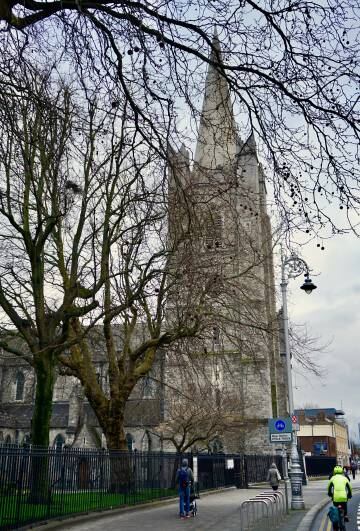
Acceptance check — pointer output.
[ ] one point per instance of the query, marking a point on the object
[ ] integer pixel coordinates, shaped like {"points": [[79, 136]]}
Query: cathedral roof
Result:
{"points": [[19, 415], [138, 412], [218, 141]]}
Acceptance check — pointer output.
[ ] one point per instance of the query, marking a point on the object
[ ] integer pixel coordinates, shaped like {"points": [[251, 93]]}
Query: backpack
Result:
{"points": [[333, 514], [183, 478]]}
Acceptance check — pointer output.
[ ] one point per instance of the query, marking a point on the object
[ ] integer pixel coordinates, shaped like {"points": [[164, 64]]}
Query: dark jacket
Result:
{"points": [[189, 473]]}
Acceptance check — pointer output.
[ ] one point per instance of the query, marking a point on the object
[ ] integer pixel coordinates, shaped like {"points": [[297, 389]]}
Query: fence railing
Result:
{"points": [[44, 483]]}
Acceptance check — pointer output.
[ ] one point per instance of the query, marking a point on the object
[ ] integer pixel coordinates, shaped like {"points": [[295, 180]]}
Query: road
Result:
{"points": [[322, 523]]}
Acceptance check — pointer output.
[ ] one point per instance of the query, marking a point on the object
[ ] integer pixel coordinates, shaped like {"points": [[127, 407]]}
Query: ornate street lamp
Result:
{"points": [[308, 285], [294, 266]]}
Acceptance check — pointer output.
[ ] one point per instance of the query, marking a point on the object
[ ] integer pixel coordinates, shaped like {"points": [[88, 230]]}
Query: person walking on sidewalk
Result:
{"points": [[184, 478], [353, 468], [273, 477]]}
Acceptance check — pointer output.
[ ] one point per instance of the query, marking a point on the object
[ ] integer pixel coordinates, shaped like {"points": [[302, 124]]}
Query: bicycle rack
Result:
{"points": [[268, 505]]}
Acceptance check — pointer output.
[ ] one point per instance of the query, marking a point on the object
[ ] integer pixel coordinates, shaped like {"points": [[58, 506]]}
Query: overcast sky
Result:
{"points": [[332, 311]]}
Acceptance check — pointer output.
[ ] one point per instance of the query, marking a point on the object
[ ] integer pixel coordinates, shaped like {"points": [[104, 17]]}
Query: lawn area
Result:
{"points": [[15, 510]]}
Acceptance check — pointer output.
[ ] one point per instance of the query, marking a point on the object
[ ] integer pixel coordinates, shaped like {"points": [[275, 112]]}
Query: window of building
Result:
{"points": [[99, 378], [216, 446], [216, 335], [59, 441], [213, 231], [8, 439], [320, 448], [146, 442], [20, 385], [130, 441], [215, 285], [26, 440], [147, 387]]}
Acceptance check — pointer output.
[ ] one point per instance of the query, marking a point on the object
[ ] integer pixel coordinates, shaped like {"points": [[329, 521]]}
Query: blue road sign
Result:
{"points": [[280, 429], [280, 425]]}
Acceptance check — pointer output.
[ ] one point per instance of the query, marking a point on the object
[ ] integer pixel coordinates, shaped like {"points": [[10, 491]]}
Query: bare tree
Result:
{"points": [[197, 411], [292, 67], [55, 211], [307, 350]]}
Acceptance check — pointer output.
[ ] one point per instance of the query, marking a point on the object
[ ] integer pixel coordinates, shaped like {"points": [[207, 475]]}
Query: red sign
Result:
{"points": [[294, 419]]}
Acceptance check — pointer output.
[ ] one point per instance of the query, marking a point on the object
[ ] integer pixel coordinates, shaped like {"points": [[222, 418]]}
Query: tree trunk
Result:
{"points": [[45, 381], [115, 434], [120, 458], [40, 426]]}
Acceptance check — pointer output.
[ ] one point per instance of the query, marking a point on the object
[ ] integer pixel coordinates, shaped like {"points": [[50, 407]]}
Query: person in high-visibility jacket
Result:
{"points": [[339, 489]]}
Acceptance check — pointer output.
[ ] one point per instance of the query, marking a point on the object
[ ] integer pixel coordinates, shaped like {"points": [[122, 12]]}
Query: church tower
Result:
{"points": [[217, 213]]}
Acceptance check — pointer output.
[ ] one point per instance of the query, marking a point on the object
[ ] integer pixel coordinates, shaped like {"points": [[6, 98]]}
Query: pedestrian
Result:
{"points": [[273, 477], [353, 468], [184, 478], [345, 471]]}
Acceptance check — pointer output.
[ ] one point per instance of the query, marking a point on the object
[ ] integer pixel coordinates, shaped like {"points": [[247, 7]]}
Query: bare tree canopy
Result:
{"points": [[63, 201], [292, 67]]}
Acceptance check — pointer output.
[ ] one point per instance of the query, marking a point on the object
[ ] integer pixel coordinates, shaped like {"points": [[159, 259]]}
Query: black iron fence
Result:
{"points": [[39, 484], [319, 465]]}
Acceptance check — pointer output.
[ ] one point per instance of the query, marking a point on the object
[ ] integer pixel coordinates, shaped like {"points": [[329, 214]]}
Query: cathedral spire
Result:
{"points": [[217, 142], [250, 145]]}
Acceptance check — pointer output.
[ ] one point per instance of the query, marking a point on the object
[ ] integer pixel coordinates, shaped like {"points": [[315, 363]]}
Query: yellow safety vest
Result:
{"points": [[340, 490]]}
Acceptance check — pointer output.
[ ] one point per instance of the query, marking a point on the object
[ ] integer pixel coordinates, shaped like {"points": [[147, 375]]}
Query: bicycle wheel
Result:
{"points": [[342, 521]]}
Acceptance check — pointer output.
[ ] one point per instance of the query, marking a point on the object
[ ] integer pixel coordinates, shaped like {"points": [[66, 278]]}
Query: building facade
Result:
{"points": [[324, 432], [230, 253]]}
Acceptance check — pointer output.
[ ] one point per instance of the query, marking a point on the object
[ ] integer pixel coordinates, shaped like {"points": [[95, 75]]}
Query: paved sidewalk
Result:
{"points": [[313, 493], [216, 511]]}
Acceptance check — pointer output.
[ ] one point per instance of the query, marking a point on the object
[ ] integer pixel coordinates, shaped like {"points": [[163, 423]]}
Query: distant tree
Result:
{"points": [[196, 415], [307, 350]]}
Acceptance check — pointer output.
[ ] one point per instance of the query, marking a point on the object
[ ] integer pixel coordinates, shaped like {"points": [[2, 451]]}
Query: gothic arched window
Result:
{"points": [[147, 387], [146, 442], [213, 230], [59, 441], [26, 440], [8, 439], [20, 384], [216, 446], [130, 441]]}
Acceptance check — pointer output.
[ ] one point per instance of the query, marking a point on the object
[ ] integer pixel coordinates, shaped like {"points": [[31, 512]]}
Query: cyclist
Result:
{"points": [[339, 489]]}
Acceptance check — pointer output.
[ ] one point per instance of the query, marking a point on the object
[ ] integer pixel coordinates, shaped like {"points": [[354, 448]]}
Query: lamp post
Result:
{"points": [[294, 266]]}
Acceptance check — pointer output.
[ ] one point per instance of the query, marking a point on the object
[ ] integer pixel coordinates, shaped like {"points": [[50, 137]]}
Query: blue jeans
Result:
{"points": [[184, 498]]}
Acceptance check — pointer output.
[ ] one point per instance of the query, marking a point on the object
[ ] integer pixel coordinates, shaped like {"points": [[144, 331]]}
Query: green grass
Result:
{"points": [[16, 510]]}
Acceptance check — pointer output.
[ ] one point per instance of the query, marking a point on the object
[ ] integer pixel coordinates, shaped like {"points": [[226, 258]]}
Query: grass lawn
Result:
{"points": [[16, 510]]}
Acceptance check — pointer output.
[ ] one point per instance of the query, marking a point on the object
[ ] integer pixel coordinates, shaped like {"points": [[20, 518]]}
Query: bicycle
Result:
{"points": [[340, 526]]}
